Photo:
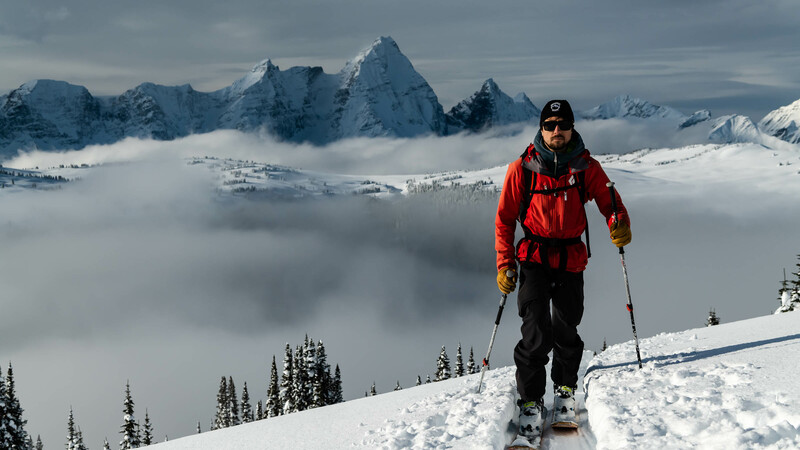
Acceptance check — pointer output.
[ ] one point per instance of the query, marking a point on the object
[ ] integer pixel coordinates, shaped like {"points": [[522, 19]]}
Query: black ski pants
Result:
{"points": [[543, 331]]}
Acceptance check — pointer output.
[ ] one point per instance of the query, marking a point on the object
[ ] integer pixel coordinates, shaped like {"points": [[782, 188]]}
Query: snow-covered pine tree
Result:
{"points": [[337, 396], [373, 391], [106, 445], [247, 410], [428, 380], [199, 430], [442, 366], [259, 410], [221, 417], [419, 381], [71, 435], [310, 353], [79, 445], [459, 362], [471, 363], [233, 406], [287, 383], [39, 445], [147, 435], [129, 431], [274, 404], [301, 397], [713, 319], [322, 378], [398, 387], [15, 422], [5, 429]]}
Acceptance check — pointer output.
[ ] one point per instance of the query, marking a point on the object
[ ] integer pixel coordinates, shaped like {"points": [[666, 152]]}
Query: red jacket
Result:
{"points": [[557, 213]]}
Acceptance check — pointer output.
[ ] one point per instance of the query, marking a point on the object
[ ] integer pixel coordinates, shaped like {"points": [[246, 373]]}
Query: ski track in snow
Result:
{"points": [[461, 419], [716, 395]]}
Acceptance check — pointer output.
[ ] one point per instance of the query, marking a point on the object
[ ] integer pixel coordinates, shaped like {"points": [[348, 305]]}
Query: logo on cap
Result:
{"points": [[555, 106]]}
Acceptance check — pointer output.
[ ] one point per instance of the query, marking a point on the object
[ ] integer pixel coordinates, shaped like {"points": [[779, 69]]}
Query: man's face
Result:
{"points": [[557, 139]]}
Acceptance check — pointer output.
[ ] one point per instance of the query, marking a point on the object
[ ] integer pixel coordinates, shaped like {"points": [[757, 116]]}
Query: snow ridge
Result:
{"points": [[626, 106], [783, 123], [489, 107]]}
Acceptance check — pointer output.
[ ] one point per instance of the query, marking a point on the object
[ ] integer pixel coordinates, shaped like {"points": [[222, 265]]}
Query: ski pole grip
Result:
{"points": [[610, 186]]}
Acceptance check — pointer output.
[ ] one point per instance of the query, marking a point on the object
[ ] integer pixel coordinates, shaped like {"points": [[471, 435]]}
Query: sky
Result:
{"points": [[729, 56]]}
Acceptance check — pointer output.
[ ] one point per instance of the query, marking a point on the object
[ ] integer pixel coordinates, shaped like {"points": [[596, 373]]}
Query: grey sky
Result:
{"points": [[731, 56]]}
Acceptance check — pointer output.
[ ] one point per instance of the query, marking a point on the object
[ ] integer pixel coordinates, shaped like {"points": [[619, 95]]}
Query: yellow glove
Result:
{"points": [[620, 234], [507, 280]]}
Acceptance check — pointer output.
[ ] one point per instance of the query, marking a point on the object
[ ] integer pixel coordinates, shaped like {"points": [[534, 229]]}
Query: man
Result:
{"points": [[545, 190]]}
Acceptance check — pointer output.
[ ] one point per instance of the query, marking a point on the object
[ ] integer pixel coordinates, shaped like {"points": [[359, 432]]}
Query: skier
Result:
{"points": [[545, 190]]}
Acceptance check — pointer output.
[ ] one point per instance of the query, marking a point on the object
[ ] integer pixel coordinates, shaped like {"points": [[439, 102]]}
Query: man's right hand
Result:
{"points": [[507, 280]]}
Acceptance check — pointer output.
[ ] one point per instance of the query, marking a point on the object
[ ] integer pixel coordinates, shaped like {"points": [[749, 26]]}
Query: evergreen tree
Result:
{"points": [[106, 445], [322, 378], [605, 345], [39, 445], [129, 430], [71, 432], [301, 397], [428, 380], [259, 411], [13, 409], [199, 430], [419, 381], [336, 387], [373, 391], [398, 387], [233, 406], [442, 366], [459, 362], [274, 404], [247, 410], [310, 352], [287, 383], [5, 429], [471, 363], [79, 445], [222, 415], [713, 319], [147, 437]]}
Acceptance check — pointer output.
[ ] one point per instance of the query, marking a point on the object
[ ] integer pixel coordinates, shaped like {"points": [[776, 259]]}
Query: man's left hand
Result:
{"points": [[620, 234]]}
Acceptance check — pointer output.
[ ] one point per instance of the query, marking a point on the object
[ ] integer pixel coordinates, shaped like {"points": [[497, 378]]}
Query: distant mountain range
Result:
{"points": [[378, 93]]}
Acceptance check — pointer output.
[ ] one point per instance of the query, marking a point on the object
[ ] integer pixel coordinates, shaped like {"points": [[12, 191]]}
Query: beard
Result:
{"points": [[557, 145]]}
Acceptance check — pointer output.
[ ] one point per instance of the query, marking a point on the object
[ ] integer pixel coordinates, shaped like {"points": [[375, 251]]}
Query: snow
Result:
{"points": [[730, 386]]}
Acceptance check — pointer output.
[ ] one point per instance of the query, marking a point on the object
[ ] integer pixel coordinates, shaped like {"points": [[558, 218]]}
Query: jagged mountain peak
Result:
{"points": [[490, 106], [734, 128], [629, 106], [783, 123]]}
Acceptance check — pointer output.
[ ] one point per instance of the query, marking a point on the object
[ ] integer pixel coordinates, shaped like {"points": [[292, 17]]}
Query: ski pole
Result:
{"points": [[485, 366], [610, 185]]}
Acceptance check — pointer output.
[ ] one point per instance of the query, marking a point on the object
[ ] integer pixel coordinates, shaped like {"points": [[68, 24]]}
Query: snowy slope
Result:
{"points": [[733, 386], [729, 387]]}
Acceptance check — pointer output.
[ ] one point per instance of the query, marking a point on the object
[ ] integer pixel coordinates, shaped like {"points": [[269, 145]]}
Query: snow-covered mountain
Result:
{"points": [[626, 106], [490, 107], [378, 93], [783, 123], [734, 128], [727, 386]]}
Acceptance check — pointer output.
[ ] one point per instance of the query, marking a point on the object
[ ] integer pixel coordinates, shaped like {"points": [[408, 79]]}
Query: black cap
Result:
{"points": [[556, 108]]}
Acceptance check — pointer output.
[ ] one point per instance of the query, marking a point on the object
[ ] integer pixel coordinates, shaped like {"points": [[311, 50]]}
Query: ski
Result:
{"points": [[522, 443], [561, 424]]}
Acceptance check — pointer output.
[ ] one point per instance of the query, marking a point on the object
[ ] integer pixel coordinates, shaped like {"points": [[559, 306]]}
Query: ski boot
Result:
{"points": [[531, 421], [564, 408]]}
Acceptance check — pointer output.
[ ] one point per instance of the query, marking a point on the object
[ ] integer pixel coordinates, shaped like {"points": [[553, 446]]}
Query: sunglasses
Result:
{"points": [[563, 125]]}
